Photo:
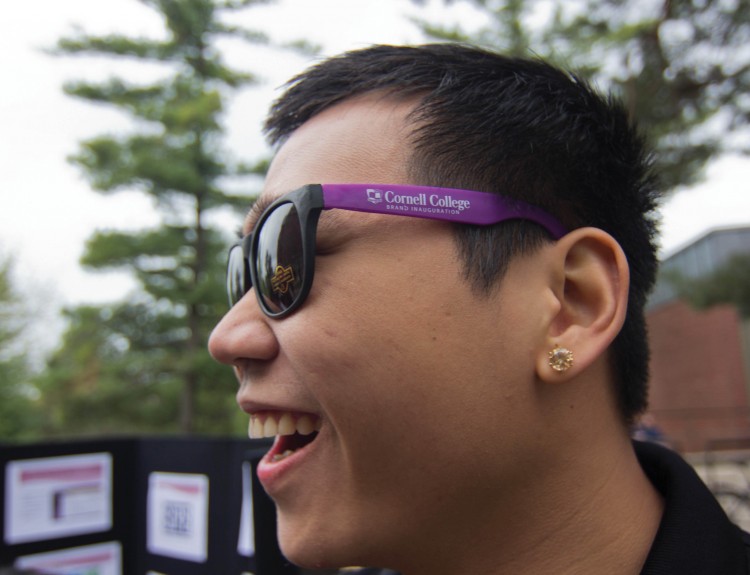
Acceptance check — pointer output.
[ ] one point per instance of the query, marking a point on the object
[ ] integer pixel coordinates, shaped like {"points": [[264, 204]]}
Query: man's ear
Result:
{"points": [[590, 282]]}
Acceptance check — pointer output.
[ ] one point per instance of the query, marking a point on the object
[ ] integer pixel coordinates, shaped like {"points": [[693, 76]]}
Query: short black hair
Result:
{"points": [[518, 127]]}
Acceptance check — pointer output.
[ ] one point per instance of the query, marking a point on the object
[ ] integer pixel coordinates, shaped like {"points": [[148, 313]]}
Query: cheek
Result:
{"points": [[404, 323], [403, 356], [397, 370], [381, 323], [413, 390]]}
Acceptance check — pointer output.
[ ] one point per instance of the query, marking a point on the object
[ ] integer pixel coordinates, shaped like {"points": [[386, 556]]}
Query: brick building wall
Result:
{"points": [[699, 385]]}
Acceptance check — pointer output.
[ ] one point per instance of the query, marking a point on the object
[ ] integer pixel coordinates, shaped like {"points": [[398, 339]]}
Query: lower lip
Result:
{"points": [[272, 473]]}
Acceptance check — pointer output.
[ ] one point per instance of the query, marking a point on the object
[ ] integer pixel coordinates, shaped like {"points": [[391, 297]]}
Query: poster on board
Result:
{"points": [[53, 497], [98, 559], [177, 516], [246, 538]]}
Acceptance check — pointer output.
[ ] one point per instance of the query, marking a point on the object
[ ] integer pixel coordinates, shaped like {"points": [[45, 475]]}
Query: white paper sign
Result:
{"points": [[246, 540], [99, 559], [54, 497], [177, 513]]}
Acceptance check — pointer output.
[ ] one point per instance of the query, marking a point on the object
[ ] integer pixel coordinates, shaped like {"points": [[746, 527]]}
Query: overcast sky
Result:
{"points": [[46, 208]]}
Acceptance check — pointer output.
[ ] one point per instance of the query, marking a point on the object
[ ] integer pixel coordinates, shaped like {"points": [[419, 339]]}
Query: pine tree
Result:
{"points": [[128, 365], [680, 67], [19, 417]]}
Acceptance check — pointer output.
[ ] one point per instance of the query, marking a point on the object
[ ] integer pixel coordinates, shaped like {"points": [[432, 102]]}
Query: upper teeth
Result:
{"points": [[272, 424]]}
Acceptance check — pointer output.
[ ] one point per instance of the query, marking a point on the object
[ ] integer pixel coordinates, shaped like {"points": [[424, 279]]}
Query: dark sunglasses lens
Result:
{"points": [[238, 282], [279, 259]]}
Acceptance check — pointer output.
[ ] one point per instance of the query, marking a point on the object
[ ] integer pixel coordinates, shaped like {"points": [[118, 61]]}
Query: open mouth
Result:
{"points": [[286, 445], [292, 431]]}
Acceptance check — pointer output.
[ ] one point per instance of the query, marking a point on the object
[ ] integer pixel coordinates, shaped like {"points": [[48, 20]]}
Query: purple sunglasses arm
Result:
{"points": [[447, 204]]}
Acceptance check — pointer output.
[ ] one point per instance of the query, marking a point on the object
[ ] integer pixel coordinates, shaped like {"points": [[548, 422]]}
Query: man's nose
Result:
{"points": [[243, 335]]}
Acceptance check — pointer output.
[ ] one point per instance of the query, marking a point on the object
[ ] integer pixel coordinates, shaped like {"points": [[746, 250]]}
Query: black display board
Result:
{"points": [[134, 460]]}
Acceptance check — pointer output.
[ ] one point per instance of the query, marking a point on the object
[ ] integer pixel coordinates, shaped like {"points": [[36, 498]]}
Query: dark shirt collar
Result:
{"points": [[695, 536]]}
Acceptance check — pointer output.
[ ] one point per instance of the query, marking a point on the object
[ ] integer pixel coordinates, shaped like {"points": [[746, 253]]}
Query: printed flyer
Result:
{"points": [[99, 559], [177, 514], [53, 497], [246, 539]]}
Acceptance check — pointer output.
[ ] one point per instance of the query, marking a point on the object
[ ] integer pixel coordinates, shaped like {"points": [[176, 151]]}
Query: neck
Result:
{"points": [[592, 512], [601, 522]]}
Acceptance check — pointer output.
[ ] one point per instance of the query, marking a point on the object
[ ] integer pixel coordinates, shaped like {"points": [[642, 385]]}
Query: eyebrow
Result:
{"points": [[256, 210], [330, 219]]}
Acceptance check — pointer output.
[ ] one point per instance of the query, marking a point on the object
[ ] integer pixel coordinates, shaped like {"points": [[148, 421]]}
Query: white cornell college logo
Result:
{"points": [[374, 196]]}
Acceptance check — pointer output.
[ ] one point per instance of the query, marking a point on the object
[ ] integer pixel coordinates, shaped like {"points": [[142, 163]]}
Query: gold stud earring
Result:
{"points": [[560, 359]]}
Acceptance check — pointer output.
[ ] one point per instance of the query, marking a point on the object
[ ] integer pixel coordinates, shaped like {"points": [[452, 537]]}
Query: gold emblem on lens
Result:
{"points": [[282, 277]]}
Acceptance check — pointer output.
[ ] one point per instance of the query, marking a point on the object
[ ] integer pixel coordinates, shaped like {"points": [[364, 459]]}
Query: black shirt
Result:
{"points": [[695, 536]]}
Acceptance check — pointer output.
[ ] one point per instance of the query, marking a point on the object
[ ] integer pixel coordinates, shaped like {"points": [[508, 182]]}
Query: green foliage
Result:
{"points": [[728, 284], [121, 369], [19, 416], [141, 365], [680, 67], [9, 320]]}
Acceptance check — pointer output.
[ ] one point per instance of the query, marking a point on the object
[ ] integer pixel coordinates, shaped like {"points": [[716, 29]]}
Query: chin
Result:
{"points": [[318, 548], [312, 555], [308, 550]]}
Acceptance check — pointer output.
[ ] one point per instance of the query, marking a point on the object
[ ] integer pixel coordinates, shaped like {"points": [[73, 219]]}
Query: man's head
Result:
{"points": [[514, 127], [420, 354]]}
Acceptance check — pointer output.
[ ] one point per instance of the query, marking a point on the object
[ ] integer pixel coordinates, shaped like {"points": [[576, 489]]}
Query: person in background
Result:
{"points": [[646, 429], [437, 310]]}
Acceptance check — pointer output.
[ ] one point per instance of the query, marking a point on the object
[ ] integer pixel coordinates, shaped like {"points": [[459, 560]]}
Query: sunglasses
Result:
{"points": [[278, 257]]}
